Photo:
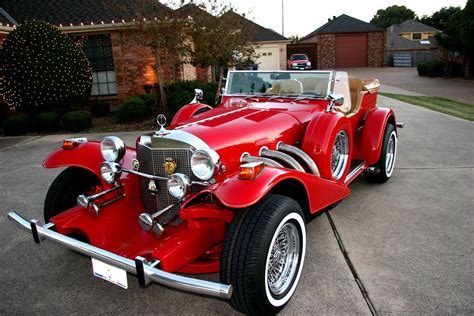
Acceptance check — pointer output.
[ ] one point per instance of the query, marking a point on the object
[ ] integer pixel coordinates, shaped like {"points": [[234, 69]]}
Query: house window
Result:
{"points": [[98, 49], [416, 36]]}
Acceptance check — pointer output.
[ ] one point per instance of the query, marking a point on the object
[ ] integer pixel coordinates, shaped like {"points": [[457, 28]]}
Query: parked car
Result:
{"points": [[225, 190], [298, 62]]}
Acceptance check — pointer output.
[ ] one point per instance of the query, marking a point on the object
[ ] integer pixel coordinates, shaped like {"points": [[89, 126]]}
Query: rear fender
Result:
{"points": [[86, 155], [372, 133], [188, 111], [239, 193]]}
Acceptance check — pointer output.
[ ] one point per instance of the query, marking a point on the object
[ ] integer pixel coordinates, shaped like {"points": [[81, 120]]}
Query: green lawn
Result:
{"points": [[454, 108]]}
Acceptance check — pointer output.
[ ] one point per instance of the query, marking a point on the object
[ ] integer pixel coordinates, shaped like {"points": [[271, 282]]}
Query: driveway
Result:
{"points": [[409, 240], [394, 79]]}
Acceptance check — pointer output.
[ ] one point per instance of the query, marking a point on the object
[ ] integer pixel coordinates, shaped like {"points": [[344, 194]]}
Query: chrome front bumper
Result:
{"points": [[144, 270]]}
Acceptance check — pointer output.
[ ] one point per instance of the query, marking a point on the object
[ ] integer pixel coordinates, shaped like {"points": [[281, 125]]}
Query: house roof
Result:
{"points": [[86, 11], [6, 19], [410, 26], [345, 24], [257, 32]]}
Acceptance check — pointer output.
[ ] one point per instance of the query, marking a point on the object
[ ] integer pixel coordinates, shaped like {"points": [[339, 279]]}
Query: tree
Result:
{"points": [[439, 19], [392, 15], [294, 39], [42, 69]]}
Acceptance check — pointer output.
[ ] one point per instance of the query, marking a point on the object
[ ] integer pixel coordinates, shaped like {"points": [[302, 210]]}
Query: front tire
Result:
{"points": [[263, 255], [387, 159], [64, 190]]}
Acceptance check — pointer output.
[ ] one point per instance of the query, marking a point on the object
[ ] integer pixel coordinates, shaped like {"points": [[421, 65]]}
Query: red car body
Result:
{"points": [[240, 125]]}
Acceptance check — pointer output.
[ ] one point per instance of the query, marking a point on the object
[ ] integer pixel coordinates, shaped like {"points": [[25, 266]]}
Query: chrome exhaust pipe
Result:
{"points": [[286, 159], [267, 161], [85, 201], [301, 155]]}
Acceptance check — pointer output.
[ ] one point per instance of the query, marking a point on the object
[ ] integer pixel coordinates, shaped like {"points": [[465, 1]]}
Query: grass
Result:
{"points": [[451, 107]]}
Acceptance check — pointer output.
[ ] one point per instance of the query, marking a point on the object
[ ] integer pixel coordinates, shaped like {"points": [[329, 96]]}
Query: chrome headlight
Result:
{"points": [[178, 185], [204, 163], [110, 171], [112, 148]]}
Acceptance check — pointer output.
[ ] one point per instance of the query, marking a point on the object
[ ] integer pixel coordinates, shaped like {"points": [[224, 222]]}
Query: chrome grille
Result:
{"points": [[182, 157]]}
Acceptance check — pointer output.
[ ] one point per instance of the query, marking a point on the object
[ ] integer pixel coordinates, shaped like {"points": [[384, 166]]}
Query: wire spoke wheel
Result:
{"points": [[340, 155], [283, 262]]}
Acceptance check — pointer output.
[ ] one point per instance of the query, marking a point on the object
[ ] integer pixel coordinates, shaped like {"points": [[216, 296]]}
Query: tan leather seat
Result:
{"points": [[315, 85], [287, 86], [358, 88]]}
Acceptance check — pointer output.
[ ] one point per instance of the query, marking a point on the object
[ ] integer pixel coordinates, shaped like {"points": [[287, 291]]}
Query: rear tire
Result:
{"points": [[65, 189], [387, 159], [263, 255]]}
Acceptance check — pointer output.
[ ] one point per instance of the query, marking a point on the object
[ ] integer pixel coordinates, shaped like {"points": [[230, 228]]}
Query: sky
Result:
{"points": [[304, 16]]}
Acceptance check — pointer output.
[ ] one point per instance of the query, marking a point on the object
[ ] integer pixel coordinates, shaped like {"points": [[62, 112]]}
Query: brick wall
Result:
{"points": [[326, 50], [135, 65], [377, 54]]}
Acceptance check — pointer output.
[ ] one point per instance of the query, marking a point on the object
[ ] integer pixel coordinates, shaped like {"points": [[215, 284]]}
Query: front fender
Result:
{"points": [[187, 112], [239, 193], [87, 156], [372, 133]]}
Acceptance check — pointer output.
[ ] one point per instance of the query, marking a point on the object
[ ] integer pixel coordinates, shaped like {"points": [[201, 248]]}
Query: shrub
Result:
{"points": [[181, 93], [131, 110], [100, 108], [431, 69], [46, 122], [16, 125], [76, 121], [43, 69], [149, 100]]}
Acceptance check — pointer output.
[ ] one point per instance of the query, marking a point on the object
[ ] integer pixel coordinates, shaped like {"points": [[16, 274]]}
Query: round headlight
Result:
{"points": [[110, 171], [178, 185], [204, 163], [112, 148]]}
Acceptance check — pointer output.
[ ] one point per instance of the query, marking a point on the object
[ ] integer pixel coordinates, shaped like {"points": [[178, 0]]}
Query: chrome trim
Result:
{"points": [[288, 160], [144, 175], [118, 145], [183, 180], [84, 201], [355, 172], [149, 273], [114, 168], [181, 136], [400, 125], [304, 157], [148, 221], [215, 160], [266, 161], [98, 207]]}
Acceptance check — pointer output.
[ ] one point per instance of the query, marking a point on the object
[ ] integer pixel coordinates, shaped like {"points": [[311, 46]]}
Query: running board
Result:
{"points": [[355, 170]]}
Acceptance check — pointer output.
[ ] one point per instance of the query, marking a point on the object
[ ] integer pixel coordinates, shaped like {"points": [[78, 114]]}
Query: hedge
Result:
{"points": [[46, 122], [16, 125], [181, 93], [76, 121], [131, 110]]}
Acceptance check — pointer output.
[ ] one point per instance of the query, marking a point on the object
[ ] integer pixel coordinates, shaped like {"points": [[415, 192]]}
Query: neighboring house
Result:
{"points": [[270, 45], [345, 42], [121, 69], [411, 43]]}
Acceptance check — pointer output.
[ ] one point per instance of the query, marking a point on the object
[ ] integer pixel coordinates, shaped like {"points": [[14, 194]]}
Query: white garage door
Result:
{"points": [[269, 58]]}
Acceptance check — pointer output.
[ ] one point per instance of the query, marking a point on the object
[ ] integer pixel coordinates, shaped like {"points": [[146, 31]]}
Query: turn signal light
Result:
{"points": [[250, 170], [71, 143]]}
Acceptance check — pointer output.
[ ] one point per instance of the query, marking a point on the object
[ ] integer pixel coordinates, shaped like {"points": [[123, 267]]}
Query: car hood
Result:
{"points": [[233, 131]]}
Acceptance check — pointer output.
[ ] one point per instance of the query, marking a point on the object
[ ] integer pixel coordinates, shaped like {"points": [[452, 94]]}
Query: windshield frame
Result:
{"points": [[330, 72]]}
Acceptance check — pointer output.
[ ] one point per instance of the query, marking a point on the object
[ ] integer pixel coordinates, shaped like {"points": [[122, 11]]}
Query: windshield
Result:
{"points": [[279, 83], [299, 57]]}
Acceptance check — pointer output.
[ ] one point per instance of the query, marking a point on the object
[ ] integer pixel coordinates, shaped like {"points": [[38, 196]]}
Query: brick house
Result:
{"points": [[345, 42], [121, 66]]}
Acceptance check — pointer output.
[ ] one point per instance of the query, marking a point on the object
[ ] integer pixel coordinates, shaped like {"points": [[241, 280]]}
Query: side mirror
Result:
{"points": [[335, 99], [198, 95]]}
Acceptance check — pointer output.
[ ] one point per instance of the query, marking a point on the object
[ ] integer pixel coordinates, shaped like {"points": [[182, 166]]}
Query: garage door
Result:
{"points": [[269, 58], [351, 50]]}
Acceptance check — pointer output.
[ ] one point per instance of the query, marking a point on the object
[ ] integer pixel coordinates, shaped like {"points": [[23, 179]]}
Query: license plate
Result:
{"points": [[110, 273]]}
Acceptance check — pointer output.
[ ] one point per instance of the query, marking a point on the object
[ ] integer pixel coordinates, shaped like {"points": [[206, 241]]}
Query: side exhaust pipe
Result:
{"points": [[301, 155]]}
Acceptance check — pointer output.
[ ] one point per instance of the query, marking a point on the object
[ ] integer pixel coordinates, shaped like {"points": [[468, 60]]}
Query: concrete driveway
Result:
{"points": [[410, 241], [406, 81]]}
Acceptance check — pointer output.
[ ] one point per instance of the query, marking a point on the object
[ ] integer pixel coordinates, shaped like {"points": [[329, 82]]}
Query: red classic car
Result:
{"points": [[298, 62], [226, 189]]}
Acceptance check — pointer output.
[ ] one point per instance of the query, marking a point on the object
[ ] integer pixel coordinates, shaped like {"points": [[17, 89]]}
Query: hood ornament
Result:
{"points": [[161, 120]]}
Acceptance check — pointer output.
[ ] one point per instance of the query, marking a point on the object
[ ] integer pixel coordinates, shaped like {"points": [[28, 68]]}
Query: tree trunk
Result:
{"points": [[159, 76], [219, 85]]}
